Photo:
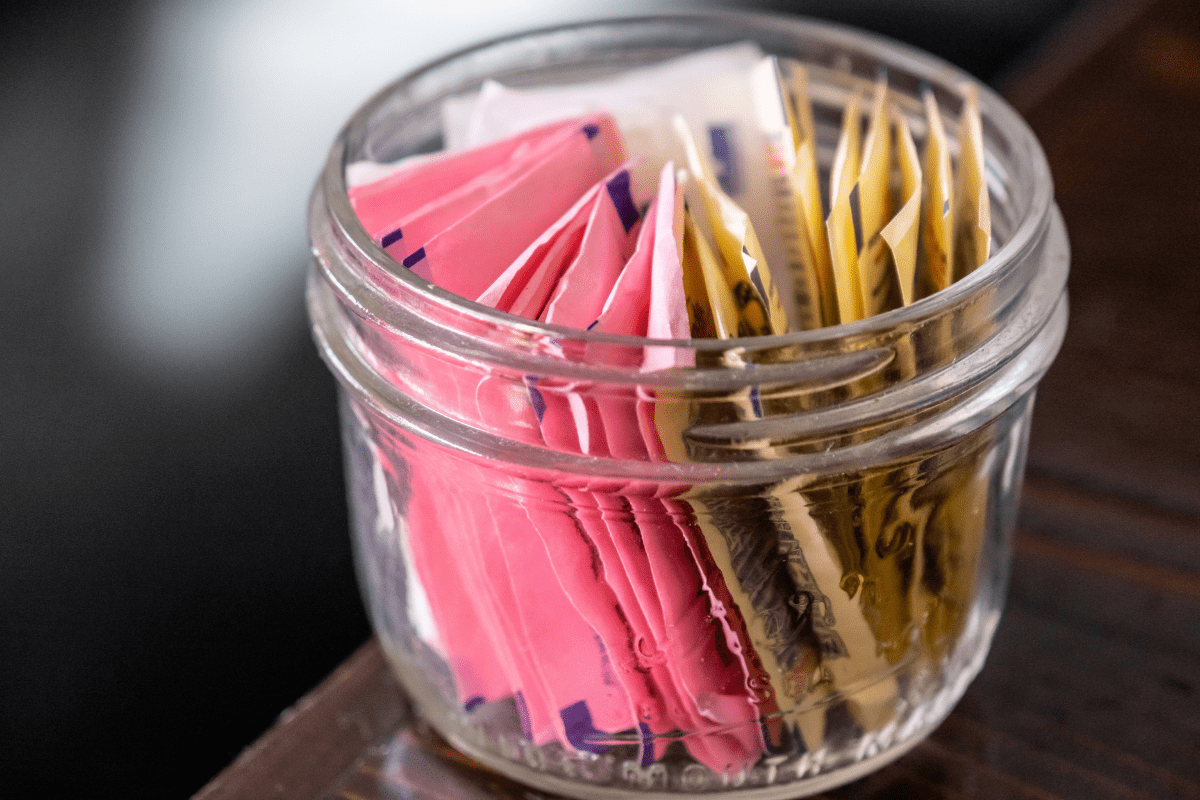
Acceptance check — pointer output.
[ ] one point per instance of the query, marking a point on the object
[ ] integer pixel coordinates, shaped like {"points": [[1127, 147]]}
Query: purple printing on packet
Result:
{"points": [[523, 712], [413, 258], [390, 239], [722, 151], [647, 745], [581, 731], [591, 130], [622, 198], [535, 397]]}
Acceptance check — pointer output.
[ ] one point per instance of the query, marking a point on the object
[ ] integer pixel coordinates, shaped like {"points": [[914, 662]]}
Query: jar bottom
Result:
{"points": [[929, 692]]}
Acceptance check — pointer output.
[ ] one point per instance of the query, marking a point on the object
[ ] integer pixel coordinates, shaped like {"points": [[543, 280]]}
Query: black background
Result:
{"points": [[174, 563]]}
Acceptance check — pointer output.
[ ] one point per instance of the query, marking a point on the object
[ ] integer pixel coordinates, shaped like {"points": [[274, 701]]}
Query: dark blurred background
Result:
{"points": [[174, 561]]}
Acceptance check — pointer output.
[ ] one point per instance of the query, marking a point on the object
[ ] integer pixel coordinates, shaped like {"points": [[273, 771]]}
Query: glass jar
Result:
{"points": [[767, 570]]}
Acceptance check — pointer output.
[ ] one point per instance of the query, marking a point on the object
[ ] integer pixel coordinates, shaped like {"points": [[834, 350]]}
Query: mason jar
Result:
{"points": [[764, 571]]}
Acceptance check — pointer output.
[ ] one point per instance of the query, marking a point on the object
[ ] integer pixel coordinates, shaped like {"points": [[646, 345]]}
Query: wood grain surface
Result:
{"points": [[1117, 412], [1092, 688]]}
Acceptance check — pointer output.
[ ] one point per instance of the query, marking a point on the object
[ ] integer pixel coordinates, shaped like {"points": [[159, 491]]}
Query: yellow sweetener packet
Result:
{"points": [[972, 242], [851, 654], [805, 192], [938, 211], [741, 257], [773, 107], [711, 308], [953, 540], [844, 223], [875, 271], [901, 232], [801, 105]]}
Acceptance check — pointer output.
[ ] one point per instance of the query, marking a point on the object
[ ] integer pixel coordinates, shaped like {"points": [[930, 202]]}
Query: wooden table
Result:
{"points": [[1092, 688]]}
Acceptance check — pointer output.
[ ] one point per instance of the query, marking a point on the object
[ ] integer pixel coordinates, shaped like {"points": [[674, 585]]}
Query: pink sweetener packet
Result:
{"points": [[647, 300], [525, 284], [482, 672], [453, 204], [764, 706], [575, 673], [641, 533], [577, 540], [573, 431], [443, 534], [381, 203], [598, 225], [467, 257], [629, 306], [573, 419], [705, 649], [608, 241], [646, 539], [588, 569], [504, 625], [582, 675], [474, 637], [625, 312], [668, 316], [570, 421], [605, 593], [472, 534], [477, 394], [565, 672], [564, 277], [619, 544]]}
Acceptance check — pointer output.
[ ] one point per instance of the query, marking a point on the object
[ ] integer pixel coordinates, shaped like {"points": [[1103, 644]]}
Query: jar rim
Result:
{"points": [[331, 185]]}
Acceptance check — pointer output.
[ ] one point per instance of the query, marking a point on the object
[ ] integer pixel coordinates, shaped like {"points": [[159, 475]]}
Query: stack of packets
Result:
{"points": [[683, 201]]}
